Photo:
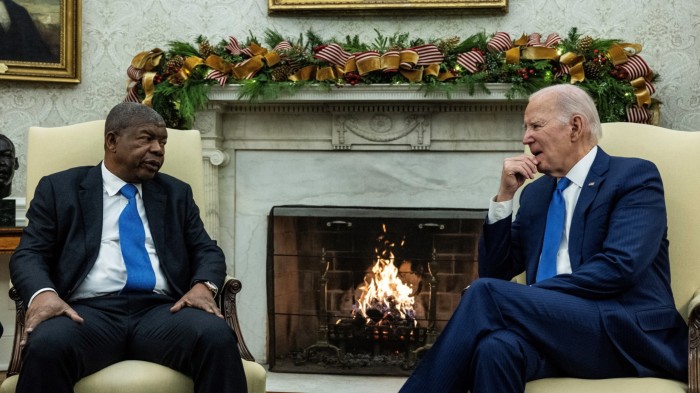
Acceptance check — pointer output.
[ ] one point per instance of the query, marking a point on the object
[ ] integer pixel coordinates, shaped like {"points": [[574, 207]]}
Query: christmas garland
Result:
{"points": [[176, 82]]}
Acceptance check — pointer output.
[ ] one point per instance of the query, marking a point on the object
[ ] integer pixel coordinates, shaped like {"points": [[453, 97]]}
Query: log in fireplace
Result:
{"points": [[358, 290]]}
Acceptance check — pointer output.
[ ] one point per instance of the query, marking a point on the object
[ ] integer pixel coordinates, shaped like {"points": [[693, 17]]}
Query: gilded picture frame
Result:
{"points": [[375, 6], [45, 43]]}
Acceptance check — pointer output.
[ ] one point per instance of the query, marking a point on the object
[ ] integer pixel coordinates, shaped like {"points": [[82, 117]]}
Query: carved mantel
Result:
{"points": [[361, 117], [353, 146]]}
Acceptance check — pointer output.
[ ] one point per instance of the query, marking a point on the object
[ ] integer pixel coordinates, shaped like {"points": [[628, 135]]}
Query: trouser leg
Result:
{"points": [[503, 361], [60, 351], [564, 329], [191, 341]]}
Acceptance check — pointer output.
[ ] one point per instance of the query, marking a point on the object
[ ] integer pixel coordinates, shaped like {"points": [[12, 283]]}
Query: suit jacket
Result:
{"points": [[60, 245], [619, 258]]}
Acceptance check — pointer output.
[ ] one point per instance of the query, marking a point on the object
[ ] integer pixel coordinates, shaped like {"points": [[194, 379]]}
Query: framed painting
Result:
{"points": [[40, 40], [275, 6]]}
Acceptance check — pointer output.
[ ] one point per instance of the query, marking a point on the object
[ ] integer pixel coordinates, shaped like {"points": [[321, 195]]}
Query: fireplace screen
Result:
{"points": [[364, 290]]}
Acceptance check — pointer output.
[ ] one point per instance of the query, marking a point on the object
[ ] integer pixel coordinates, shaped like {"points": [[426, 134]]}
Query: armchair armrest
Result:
{"points": [[227, 304], [16, 358], [694, 343]]}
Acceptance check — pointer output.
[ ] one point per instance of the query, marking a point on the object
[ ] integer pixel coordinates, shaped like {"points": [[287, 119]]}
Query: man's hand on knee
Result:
{"points": [[46, 305], [198, 297]]}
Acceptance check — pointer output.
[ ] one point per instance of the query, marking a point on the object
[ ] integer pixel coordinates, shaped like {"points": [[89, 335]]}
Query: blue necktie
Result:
{"points": [[556, 217], [132, 239]]}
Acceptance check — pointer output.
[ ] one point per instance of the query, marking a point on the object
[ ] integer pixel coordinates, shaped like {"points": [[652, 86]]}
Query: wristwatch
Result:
{"points": [[210, 286]]}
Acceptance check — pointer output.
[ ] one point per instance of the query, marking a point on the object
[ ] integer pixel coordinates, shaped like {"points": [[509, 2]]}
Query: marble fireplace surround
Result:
{"points": [[382, 146]]}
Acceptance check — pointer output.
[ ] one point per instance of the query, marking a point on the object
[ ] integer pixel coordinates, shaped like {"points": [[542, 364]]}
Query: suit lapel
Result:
{"points": [[154, 200], [594, 180], [90, 196]]}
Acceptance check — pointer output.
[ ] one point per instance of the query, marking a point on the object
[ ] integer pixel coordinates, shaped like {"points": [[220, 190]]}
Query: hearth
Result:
{"points": [[357, 290]]}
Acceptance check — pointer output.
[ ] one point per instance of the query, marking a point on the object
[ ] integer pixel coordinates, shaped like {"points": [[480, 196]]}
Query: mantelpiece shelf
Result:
{"points": [[372, 93]]}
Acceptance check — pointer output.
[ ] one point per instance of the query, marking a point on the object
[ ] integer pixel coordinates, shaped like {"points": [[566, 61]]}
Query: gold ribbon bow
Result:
{"points": [[248, 68], [641, 91], [304, 74], [145, 62], [191, 62], [217, 63], [619, 53], [575, 64], [370, 63], [148, 60], [521, 50]]}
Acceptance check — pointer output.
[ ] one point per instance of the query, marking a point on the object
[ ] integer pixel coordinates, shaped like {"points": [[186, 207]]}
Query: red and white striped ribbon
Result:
{"points": [[428, 54], [134, 74], [563, 70], [552, 40], [218, 76], [636, 67], [500, 42], [359, 56], [131, 95], [282, 46], [235, 49], [334, 54], [535, 39], [650, 87], [635, 114], [470, 60]]}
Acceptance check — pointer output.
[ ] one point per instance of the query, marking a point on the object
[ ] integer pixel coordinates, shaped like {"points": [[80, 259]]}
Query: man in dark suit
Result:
{"points": [[599, 305], [91, 301]]}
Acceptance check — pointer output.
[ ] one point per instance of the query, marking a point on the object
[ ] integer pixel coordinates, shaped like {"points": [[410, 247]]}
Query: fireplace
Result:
{"points": [[357, 146], [358, 290]]}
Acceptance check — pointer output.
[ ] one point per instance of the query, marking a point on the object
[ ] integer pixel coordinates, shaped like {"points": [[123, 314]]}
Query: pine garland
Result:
{"points": [[178, 96]]}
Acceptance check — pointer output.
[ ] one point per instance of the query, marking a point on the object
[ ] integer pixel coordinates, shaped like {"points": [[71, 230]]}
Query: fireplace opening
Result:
{"points": [[358, 290]]}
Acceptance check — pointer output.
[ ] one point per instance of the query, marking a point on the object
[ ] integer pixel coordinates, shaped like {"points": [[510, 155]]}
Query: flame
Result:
{"points": [[383, 295]]}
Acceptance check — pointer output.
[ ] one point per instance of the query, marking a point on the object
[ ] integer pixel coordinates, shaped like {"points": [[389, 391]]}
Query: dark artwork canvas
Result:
{"points": [[30, 31]]}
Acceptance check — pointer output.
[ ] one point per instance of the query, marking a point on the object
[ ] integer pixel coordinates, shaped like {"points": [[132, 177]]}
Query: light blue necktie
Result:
{"points": [[556, 217], [140, 276]]}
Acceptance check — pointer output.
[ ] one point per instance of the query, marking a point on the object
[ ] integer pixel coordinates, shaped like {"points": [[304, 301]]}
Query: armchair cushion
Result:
{"points": [[617, 385], [132, 376]]}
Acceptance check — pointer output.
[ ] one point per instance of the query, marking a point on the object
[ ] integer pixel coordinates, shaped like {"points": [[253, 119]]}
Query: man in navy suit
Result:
{"points": [[84, 310], [606, 310]]}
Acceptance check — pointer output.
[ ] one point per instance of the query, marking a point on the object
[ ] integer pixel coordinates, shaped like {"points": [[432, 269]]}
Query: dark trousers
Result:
{"points": [[503, 334], [60, 352]]}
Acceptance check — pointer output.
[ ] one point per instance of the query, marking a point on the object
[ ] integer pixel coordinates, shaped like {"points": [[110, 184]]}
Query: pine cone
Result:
{"points": [[281, 72], [206, 49], [583, 44], [174, 64], [592, 69]]}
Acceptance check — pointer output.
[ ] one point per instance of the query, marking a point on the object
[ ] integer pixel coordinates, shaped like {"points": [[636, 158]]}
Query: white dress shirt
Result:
{"points": [[108, 275], [577, 175]]}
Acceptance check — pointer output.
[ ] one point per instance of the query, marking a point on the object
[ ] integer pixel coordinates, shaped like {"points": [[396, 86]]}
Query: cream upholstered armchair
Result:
{"points": [[54, 149], [677, 155]]}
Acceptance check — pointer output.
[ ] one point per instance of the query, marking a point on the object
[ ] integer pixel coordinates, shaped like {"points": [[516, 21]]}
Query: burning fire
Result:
{"points": [[384, 297]]}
